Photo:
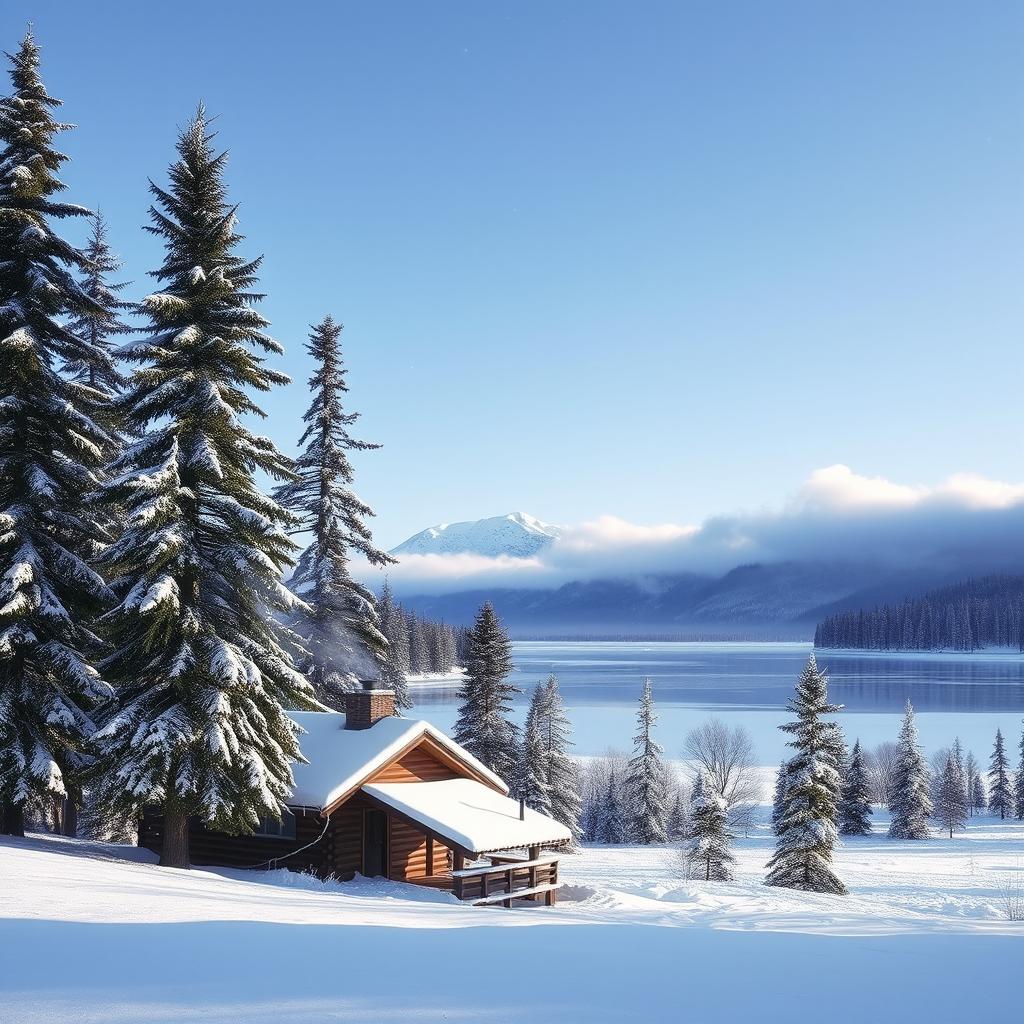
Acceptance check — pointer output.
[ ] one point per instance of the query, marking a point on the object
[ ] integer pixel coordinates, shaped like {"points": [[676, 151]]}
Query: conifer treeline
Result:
{"points": [[987, 612]]}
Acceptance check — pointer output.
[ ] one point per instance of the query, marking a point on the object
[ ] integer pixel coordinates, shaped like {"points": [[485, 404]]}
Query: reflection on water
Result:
{"points": [[750, 683]]}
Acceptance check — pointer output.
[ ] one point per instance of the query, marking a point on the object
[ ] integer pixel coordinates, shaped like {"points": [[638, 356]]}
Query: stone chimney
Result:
{"points": [[367, 705]]}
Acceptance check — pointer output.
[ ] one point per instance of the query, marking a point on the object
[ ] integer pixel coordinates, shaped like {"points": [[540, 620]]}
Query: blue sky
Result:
{"points": [[652, 260]]}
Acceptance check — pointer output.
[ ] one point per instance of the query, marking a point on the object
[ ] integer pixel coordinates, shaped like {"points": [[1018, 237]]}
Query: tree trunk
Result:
{"points": [[69, 818], [174, 852], [12, 819]]}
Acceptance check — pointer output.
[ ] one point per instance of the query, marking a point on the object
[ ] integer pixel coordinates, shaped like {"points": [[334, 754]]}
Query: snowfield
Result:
{"points": [[96, 933]]}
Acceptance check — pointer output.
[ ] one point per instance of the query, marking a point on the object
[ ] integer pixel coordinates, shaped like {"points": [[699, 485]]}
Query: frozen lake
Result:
{"points": [[961, 695]]}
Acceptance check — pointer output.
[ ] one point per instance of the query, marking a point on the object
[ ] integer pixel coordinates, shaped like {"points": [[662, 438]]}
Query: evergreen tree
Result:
{"points": [[419, 649], [337, 623], [51, 452], [613, 827], [395, 670], [94, 370], [678, 825], [482, 726], [1000, 793], [646, 783], [952, 805], [531, 777], [1019, 787], [909, 803], [561, 776], [854, 809], [979, 798], [202, 674], [779, 797], [807, 829], [708, 855]]}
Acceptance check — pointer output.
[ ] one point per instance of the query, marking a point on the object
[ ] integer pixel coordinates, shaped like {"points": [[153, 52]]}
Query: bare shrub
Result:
{"points": [[727, 758]]}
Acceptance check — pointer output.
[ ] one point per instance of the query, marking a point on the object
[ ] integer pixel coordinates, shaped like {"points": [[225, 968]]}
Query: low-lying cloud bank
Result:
{"points": [[967, 523]]}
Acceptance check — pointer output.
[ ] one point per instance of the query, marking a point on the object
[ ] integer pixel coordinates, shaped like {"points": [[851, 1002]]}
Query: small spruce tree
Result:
{"points": [[612, 825], [646, 782], [807, 829], [395, 670], [951, 808], [561, 776], [1018, 792], [854, 809], [1000, 793], [909, 802], [708, 855], [531, 778]]}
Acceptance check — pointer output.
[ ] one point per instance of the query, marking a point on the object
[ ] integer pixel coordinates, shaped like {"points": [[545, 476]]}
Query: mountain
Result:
{"points": [[777, 601], [516, 535]]}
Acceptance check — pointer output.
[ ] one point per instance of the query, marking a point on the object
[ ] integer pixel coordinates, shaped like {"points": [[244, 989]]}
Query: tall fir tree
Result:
{"points": [[485, 697], [807, 828], [395, 670], [1000, 792], [202, 673], [909, 802], [951, 807], [337, 622], [854, 808], [646, 781], [51, 453], [1018, 791], [708, 855], [561, 775]]}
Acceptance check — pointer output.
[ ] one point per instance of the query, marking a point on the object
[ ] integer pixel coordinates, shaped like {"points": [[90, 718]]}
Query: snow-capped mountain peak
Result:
{"points": [[517, 535]]}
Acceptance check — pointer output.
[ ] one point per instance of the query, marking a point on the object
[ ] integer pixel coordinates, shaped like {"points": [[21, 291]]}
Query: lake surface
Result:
{"points": [[748, 684]]}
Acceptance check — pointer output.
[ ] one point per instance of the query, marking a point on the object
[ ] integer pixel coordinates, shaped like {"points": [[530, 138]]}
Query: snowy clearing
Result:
{"points": [[94, 933]]}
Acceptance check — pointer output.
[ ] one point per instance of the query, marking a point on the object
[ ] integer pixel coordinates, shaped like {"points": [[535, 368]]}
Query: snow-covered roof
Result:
{"points": [[340, 759], [469, 814]]}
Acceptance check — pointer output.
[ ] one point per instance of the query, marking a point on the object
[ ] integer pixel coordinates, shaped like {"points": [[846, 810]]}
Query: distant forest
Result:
{"points": [[968, 616]]}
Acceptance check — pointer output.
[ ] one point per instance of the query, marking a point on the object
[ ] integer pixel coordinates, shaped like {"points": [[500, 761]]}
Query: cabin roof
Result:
{"points": [[469, 815], [341, 759]]}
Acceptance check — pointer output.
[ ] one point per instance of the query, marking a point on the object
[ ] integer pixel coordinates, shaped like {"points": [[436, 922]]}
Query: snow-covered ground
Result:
{"points": [[92, 933], [452, 678]]}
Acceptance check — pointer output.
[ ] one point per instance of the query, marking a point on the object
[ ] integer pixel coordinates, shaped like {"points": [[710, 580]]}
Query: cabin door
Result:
{"points": [[375, 843]]}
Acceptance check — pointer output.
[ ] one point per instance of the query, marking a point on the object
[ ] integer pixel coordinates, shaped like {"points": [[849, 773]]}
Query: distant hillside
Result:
{"points": [[967, 616], [781, 601]]}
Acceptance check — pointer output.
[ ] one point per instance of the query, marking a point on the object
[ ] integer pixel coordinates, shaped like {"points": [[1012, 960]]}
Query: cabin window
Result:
{"points": [[283, 829]]}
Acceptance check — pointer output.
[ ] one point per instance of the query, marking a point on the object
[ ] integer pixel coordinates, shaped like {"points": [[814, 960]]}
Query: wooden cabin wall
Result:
{"points": [[419, 765], [345, 853], [217, 848], [408, 851]]}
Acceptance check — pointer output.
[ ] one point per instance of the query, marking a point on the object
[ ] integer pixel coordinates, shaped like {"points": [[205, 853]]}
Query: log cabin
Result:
{"points": [[390, 797]]}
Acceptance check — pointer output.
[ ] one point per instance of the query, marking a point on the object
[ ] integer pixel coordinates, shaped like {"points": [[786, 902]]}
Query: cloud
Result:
{"points": [[966, 523]]}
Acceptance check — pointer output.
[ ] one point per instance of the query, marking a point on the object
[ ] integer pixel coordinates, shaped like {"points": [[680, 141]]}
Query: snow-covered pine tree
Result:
{"points": [[485, 697], [202, 673], [51, 453], [531, 783], [419, 649], [779, 795], [909, 802], [854, 808], [951, 807], [1000, 793], [646, 782], [613, 826], [337, 622], [708, 855], [395, 669], [678, 824], [807, 828], [979, 795], [561, 775], [94, 370], [1018, 792]]}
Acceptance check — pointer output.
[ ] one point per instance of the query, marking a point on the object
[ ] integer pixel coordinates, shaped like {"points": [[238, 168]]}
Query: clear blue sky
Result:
{"points": [[657, 260]]}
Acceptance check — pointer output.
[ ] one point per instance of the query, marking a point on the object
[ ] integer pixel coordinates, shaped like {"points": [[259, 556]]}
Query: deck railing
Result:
{"points": [[506, 879]]}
